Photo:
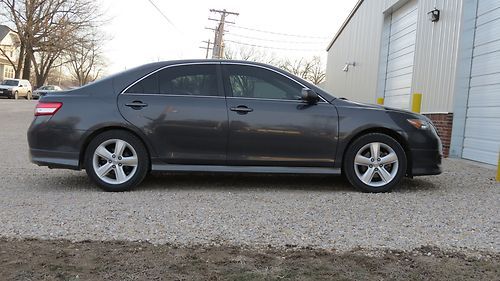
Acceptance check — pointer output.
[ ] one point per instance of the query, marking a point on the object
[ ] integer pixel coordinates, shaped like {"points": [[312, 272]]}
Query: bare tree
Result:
{"points": [[85, 59], [48, 28], [250, 54], [311, 69]]}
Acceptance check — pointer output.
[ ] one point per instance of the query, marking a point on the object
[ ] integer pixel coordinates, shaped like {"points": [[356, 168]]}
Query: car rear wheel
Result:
{"points": [[116, 160], [16, 95], [375, 163], [28, 96]]}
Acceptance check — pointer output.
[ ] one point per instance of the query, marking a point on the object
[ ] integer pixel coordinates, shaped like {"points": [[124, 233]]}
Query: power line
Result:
{"points": [[278, 41], [218, 45], [277, 33], [161, 13], [275, 48]]}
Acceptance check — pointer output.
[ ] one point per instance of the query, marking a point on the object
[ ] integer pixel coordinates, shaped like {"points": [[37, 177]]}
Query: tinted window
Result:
{"points": [[256, 82], [193, 80], [10, 82], [148, 85]]}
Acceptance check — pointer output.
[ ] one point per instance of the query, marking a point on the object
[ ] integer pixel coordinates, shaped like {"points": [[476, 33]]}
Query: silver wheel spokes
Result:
{"points": [[115, 161], [376, 164]]}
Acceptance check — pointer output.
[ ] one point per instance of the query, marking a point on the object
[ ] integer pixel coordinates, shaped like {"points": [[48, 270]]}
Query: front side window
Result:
{"points": [[188, 80], [255, 82]]}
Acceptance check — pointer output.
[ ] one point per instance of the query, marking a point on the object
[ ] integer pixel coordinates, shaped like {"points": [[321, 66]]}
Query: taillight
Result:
{"points": [[47, 108]]}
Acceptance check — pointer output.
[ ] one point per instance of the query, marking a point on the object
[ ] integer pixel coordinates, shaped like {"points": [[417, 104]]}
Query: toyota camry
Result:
{"points": [[226, 116]]}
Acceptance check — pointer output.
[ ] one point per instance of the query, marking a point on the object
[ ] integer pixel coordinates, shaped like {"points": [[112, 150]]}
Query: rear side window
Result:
{"points": [[188, 80], [148, 85]]}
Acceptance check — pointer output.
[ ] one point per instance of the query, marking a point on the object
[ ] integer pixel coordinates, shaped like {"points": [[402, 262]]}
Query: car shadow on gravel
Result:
{"points": [[196, 181], [229, 182]]}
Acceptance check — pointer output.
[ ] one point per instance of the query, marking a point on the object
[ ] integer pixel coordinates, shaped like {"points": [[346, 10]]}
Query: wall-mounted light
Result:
{"points": [[434, 15], [347, 64]]}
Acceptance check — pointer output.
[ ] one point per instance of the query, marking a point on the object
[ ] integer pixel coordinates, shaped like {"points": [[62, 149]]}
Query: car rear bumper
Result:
{"points": [[426, 162], [55, 159]]}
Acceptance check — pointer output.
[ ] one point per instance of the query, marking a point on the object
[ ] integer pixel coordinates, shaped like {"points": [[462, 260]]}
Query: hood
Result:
{"points": [[348, 103]]}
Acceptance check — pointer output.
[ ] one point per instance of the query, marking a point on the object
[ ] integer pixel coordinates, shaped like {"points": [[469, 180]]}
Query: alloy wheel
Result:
{"points": [[115, 161], [376, 164]]}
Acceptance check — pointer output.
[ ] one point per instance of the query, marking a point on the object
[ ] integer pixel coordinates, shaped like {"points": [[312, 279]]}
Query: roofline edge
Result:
{"points": [[342, 27]]}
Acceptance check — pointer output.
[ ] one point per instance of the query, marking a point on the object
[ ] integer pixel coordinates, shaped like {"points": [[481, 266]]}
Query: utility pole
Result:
{"points": [[218, 49], [208, 48]]}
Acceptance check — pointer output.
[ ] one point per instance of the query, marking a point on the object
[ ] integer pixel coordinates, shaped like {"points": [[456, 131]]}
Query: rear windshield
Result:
{"points": [[10, 82]]}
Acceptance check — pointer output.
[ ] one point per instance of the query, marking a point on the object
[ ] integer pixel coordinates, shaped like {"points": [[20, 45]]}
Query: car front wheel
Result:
{"points": [[375, 163], [116, 160]]}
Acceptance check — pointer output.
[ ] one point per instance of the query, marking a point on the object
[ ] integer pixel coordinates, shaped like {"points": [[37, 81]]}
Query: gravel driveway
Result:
{"points": [[458, 209]]}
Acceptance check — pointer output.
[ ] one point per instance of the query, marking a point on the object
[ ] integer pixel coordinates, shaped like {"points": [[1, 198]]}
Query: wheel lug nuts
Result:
{"points": [[114, 156], [109, 161], [376, 169], [378, 159], [372, 159], [119, 158], [371, 166], [114, 166], [120, 164]]}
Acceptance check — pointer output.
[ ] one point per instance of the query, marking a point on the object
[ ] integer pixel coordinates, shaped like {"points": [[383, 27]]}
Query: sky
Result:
{"points": [[139, 34]]}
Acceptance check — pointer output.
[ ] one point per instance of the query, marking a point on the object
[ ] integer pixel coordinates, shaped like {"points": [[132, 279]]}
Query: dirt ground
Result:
{"points": [[64, 260]]}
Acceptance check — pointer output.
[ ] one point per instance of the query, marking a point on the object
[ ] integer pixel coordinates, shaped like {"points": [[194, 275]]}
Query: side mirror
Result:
{"points": [[309, 96]]}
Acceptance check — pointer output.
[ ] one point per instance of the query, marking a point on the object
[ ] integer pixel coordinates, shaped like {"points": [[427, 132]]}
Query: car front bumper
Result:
{"points": [[426, 162], [5, 93]]}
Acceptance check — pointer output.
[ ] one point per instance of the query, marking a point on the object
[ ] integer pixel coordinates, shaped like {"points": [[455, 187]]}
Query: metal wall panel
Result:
{"points": [[363, 41], [360, 43], [482, 125], [436, 55]]}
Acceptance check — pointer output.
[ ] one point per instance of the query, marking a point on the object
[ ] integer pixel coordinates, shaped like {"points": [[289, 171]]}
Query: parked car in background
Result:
{"points": [[45, 90], [15, 88], [226, 116]]}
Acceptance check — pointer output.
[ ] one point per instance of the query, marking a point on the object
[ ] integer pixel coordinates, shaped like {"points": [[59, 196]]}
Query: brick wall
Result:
{"points": [[443, 123]]}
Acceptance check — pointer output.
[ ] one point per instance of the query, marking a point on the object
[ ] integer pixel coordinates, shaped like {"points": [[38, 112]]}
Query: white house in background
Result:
{"points": [[449, 51], [9, 41]]}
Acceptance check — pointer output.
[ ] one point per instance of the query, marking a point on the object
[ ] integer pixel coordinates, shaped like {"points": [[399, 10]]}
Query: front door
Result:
{"points": [[270, 126], [182, 111]]}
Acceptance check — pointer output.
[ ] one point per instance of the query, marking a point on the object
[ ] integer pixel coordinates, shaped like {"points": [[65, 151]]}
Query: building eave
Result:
{"points": [[342, 27]]}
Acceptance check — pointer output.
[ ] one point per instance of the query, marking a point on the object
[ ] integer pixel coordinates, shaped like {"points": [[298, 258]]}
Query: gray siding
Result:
{"points": [[362, 41]]}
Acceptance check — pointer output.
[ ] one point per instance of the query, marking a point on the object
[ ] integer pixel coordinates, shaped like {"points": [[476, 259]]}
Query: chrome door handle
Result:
{"points": [[136, 104], [241, 109]]}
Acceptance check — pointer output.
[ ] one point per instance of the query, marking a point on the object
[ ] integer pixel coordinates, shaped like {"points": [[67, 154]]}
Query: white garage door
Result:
{"points": [[402, 38], [482, 126]]}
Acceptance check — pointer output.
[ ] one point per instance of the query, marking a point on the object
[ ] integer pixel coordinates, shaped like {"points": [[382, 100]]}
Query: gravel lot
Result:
{"points": [[456, 210]]}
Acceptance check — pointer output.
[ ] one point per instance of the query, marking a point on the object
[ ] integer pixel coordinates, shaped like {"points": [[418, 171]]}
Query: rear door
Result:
{"points": [[270, 126], [182, 111]]}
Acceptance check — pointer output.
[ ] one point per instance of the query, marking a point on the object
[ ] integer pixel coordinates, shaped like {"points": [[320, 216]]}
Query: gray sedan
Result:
{"points": [[226, 116], [45, 90]]}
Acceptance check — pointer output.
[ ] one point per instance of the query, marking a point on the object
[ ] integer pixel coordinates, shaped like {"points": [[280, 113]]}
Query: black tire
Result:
{"points": [[361, 143], [143, 160], [16, 95], [28, 96]]}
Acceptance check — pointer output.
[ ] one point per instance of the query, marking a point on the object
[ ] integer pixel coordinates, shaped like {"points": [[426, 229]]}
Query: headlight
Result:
{"points": [[419, 124]]}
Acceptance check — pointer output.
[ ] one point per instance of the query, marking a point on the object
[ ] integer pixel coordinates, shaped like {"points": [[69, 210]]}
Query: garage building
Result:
{"points": [[446, 50]]}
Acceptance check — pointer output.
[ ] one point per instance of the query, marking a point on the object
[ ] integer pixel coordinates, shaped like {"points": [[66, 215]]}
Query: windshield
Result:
{"points": [[10, 82]]}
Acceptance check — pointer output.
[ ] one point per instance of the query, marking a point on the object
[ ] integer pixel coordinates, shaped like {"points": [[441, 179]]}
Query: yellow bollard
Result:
{"points": [[416, 102], [380, 101], [498, 168]]}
